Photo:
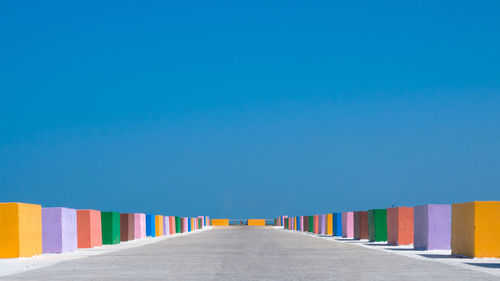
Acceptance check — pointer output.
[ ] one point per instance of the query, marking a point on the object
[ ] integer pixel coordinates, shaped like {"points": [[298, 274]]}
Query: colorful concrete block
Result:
{"points": [[89, 228], [337, 224], [172, 224], [127, 227], [202, 220], [301, 223], [257, 222], [432, 227], [475, 229], [178, 225], [166, 225], [400, 225], [221, 222], [150, 225], [377, 225], [329, 224], [316, 224], [110, 224], [20, 230], [59, 230], [158, 225], [347, 224], [184, 225], [139, 225], [361, 225]]}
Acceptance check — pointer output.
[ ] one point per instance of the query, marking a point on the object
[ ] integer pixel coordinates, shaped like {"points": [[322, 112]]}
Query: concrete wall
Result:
{"points": [[59, 230], [89, 228], [20, 230]]}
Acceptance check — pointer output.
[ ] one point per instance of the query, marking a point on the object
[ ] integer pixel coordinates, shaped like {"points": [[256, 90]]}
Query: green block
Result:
{"points": [[110, 224], [177, 224], [377, 225], [311, 224]]}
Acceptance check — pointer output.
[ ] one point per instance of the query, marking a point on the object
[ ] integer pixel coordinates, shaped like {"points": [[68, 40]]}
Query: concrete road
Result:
{"points": [[249, 254]]}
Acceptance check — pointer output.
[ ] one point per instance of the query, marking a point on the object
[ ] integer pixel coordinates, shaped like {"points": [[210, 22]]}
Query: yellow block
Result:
{"points": [[329, 224], [475, 229], [159, 225], [20, 230], [220, 222], [257, 222]]}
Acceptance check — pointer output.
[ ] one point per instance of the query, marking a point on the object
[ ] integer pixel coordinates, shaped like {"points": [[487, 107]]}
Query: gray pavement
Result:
{"points": [[249, 254]]}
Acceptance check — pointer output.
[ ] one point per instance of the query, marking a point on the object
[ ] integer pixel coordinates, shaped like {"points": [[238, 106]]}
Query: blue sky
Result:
{"points": [[249, 109]]}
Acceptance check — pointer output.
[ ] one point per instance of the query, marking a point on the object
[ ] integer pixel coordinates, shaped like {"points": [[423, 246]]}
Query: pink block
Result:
{"points": [[348, 224], [185, 226], [140, 226]]}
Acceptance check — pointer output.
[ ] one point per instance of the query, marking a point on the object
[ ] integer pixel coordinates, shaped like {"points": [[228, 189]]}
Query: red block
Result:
{"points": [[400, 225]]}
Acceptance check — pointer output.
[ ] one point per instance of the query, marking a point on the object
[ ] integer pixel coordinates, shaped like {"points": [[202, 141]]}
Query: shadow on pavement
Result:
{"points": [[487, 265]]}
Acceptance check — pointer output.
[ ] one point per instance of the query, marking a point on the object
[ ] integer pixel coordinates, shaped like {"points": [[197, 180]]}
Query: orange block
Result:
{"points": [[329, 224], [316, 224], [400, 225], [475, 229], [158, 225], [20, 230], [220, 222], [256, 222], [89, 228]]}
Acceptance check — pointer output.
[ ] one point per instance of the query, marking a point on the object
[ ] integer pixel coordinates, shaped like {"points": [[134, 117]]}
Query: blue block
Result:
{"points": [[337, 224], [189, 224], [150, 226], [297, 219]]}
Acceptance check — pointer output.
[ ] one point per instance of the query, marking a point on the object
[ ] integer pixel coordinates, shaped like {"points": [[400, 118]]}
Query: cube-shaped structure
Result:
{"points": [[159, 225], [150, 226], [20, 230], [202, 220], [139, 226], [256, 222], [59, 231], [337, 224], [89, 228], [184, 225], [323, 224], [347, 224], [316, 224], [400, 225], [172, 224], [166, 225], [432, 227], [190, 224], [311, 224], [127, 227], [377, 225], [361, 225], [329, 224], [178, 224], [110, 224], [475, 229]]}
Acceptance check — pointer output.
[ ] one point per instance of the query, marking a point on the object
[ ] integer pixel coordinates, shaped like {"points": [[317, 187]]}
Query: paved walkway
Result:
{"points": [[249, 254]]}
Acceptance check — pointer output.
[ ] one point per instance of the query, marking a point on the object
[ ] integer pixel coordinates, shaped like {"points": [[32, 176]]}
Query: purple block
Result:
{"points": [[323, 224], [432, 227], [59, 233]]}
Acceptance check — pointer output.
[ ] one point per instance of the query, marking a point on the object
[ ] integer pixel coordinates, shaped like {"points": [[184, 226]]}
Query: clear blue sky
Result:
{"points": [[249, 108]]}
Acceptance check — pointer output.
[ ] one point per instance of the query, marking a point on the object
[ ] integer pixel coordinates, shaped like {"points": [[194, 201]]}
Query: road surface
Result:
{"points": [[247, 253]]}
